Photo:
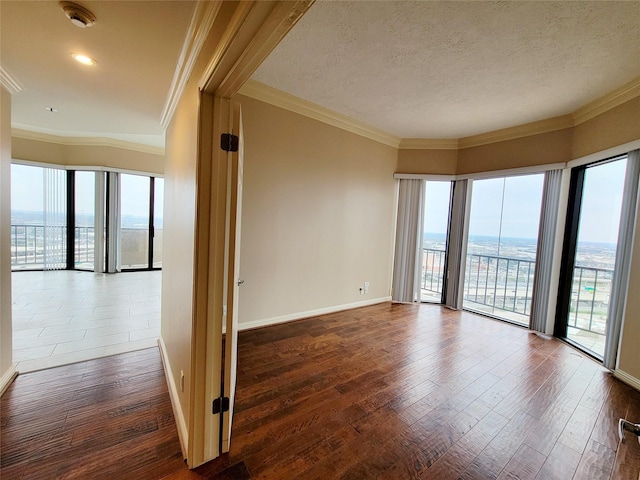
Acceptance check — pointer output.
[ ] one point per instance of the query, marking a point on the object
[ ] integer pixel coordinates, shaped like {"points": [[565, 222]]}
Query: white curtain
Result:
{"points": [[408, 256], [622, 267], [113, 221], [99, 223], [456, 254], [55, 219], [544, 257]]}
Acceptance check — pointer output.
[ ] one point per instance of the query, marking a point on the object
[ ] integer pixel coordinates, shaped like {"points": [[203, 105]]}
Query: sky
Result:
{"points": [[602, 202], [27, 192], [520, 211], [516, 215]]}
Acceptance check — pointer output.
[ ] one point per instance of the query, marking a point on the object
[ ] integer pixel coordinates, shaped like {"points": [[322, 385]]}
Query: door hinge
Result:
{"points": [[220, 405], [229, 142]]}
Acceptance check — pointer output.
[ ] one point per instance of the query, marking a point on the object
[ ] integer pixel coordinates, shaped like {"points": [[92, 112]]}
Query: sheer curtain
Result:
{"points": [[113, 221], [622, 267], [408, 254], [545, 250], [55, 219], [457, 244]]}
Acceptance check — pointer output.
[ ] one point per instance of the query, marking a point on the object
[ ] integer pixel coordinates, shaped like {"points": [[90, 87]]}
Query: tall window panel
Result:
{"points": [[27, 218], [434, 240], [501, 247], [85, 205], [589, 256], [134, 221]]}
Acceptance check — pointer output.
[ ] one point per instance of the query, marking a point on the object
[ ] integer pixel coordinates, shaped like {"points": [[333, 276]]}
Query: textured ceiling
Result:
{"points": [[136, 45], [455, 69]]}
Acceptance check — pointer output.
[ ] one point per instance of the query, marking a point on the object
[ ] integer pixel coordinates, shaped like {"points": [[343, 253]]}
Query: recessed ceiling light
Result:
{"points": [[51, 109], [83, 59]]}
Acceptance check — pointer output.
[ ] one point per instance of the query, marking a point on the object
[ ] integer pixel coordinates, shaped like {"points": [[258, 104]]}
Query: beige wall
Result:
{"points": [[614, 127], [434, 162], [5, 237], [178, 242], [318, 215], [83, 155], [544, 148], [629, 351]]}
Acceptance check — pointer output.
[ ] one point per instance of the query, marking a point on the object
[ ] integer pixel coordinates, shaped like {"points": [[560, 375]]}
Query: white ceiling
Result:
{"points": [[136, 45], [434, 69], [412, 69]]}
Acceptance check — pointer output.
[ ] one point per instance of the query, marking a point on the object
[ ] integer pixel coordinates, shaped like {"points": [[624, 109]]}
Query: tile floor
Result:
{"points": [[62, 317]]}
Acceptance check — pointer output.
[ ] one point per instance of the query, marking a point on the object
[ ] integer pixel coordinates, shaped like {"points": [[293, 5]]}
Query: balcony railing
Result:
{"points": [[433, 262], [28, 246], [85, 246], [589, 304], [501, 283]]}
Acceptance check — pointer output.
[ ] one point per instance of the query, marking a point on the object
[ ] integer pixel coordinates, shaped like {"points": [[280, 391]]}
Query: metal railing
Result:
{"points": [[589, 303], [433, 262], [28, 245], [85, 246], [502, 283]]}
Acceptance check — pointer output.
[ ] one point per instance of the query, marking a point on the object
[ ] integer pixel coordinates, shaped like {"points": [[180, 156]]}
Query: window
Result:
{"points": [[590, 254], [434, 240], [54, 217], [501, 247]]}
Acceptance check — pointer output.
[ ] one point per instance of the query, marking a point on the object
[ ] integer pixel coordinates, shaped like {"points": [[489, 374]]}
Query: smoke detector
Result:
{"points": [[79, 16]]}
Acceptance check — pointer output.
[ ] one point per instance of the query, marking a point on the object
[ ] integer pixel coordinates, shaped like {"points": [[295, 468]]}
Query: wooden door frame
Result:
{"points": [[250, 33]]}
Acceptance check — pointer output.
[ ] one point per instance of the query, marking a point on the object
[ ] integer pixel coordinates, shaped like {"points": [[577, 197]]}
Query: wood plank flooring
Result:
{"points": [[404, 391], [106, 418], [387, 391]]}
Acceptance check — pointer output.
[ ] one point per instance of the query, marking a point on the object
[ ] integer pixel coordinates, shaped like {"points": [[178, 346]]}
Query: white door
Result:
{"points": [[233, 271]]}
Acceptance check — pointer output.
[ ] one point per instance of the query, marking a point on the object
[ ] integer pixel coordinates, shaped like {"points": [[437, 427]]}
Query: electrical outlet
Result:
{"points": [[181, 381], [366, 287]]}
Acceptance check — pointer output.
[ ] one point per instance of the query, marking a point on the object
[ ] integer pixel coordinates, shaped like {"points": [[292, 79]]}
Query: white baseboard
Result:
{"points": [[265, 322], [626, 378], [7, 378], [183, 432]]}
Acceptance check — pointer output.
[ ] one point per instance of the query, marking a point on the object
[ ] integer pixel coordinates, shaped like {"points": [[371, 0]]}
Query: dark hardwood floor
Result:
{"points": [[108, 418], [387, 391], [405, 391]]}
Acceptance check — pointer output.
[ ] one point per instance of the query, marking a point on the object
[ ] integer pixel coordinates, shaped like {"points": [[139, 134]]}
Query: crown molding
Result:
{"points": [[429, 144], [287, 101], [610, 101], [202, 20], [519, 131], [85, 141], [278, 98], [9, 82]]}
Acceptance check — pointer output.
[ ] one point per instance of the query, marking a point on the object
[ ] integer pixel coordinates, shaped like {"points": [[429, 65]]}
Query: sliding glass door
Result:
{"points": [[589, 255], [38, 218], [501, 247], [434, 241], [55, 214], [84, 210], [141, 204]]}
